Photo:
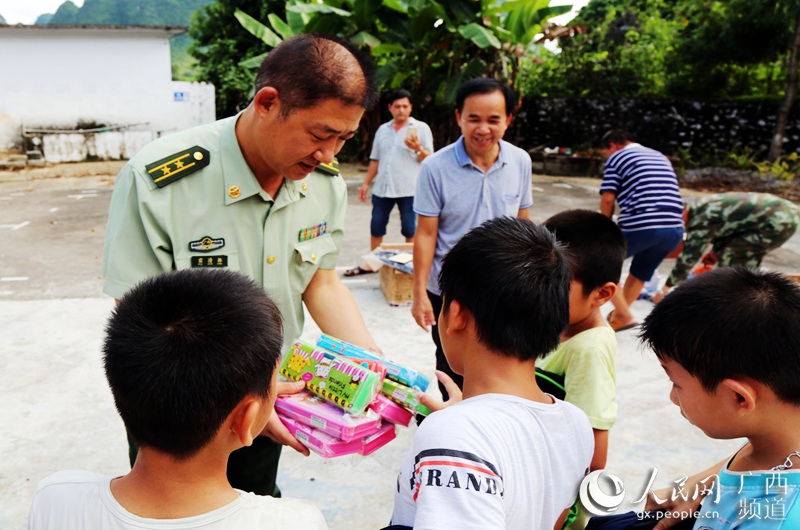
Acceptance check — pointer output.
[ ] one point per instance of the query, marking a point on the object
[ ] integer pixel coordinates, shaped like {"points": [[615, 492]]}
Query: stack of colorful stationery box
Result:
{"points": [[353, 398]]}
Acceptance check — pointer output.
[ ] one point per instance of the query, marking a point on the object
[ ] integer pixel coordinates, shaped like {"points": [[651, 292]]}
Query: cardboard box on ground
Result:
{"points": [[396, 271]]}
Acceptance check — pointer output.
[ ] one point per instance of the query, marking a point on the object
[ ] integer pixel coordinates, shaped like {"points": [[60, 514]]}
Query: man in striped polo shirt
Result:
{"points": [[643, 183]]}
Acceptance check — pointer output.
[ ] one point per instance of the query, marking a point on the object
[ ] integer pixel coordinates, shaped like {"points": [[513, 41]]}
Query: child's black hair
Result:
{"points": [[595, 246], [732, 322], [513, 277], [182, 349]]}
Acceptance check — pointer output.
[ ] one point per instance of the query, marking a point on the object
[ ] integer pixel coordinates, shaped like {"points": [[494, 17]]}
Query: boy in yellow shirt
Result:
{"points": [[585, 358]]}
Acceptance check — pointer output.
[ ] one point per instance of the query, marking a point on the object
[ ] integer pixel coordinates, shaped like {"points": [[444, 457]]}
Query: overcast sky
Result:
{"points": [[563, 19], [27, 11]]}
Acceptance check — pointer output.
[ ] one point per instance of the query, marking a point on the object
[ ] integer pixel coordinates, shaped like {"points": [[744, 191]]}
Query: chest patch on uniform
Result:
{"points": [[209, 261], [207, 244], [329, 169], [175, 167], [312, 231]]}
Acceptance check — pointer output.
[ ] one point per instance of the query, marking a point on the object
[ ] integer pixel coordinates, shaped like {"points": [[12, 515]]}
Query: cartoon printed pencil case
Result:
{"points": [[404, 395], [374, 366], [323, 444], [391, 411], [399, 373], [344, 383], [315, 412], [372, 443]]}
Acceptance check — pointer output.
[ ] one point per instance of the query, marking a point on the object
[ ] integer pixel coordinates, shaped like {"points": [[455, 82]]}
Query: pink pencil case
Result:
{"points": [[372, 443], [391, 411], [323, 444], [326, 417]]}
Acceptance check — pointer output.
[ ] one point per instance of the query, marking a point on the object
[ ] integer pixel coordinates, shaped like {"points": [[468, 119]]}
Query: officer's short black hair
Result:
{"points": [[486, 85], [732, 322], [512, 276], [595, 246], [182, 349], [396, 94], [615, 136], [310, 68]]}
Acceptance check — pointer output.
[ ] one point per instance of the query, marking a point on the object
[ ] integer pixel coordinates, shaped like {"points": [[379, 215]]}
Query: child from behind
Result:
{"points": [[191, 360], [585, 358], [507, 455], [729, 341]]}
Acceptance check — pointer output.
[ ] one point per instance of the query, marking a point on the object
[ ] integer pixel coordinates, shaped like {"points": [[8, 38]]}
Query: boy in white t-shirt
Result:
{"points": [[508, 455], [191, 360]]}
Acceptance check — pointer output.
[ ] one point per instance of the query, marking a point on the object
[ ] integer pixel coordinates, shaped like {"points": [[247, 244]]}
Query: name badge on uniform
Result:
{"points": [[209, 261], [312, 231]]}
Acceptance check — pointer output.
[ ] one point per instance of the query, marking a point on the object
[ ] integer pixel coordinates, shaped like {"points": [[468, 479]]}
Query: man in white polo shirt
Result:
{"points": [[397, 150], [477, 178]]}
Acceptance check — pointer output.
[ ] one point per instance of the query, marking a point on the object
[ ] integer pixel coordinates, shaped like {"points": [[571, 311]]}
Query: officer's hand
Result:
{"points": [[422, 311], [449, 385], [275, 428], [362, 192]]}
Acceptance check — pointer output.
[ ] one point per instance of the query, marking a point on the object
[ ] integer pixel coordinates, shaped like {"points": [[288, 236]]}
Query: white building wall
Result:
{"points": [[57, 78]]}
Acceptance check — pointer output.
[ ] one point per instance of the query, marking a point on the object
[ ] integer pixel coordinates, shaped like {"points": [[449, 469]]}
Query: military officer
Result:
{"points": [[741, 228], [257, 193]]}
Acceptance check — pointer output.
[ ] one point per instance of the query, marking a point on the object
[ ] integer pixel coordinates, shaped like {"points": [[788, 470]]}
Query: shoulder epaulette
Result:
{"points": [[329, 169], [174, 167]]}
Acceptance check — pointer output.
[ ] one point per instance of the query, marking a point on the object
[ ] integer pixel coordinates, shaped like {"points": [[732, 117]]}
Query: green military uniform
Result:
{"points": [[740, 227], [190, 200]]}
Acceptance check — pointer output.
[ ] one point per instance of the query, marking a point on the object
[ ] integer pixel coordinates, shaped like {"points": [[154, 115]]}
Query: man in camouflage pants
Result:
{"points": [[740, 227]]}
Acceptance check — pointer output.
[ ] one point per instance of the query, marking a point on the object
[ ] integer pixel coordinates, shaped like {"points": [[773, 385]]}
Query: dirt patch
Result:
{"points": [[719, 179]]}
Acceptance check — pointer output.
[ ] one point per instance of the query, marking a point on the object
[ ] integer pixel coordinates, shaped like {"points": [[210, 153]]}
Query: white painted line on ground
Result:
{"points": [[53, 210], [4, 293], [80, 196], [16, 227], [354, 280], [14, 279], [562, 185], [537, 188], [18, 194]]}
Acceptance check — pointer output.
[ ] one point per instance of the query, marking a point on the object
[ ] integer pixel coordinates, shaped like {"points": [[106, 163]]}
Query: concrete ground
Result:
{"points": [[56, 411]]}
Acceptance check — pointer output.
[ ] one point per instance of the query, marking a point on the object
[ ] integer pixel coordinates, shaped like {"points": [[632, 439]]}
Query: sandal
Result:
{"points": [[357, 271]]}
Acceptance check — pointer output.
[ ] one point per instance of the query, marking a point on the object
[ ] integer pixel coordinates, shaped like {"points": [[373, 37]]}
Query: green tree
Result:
{"points": [[724, 46], [740, 36], [699, 49], [427, 46], [622, 48], [220, 44]]}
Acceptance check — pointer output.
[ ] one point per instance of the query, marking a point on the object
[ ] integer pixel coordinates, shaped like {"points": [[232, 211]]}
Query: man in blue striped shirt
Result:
{"points": [[643, 183]]}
